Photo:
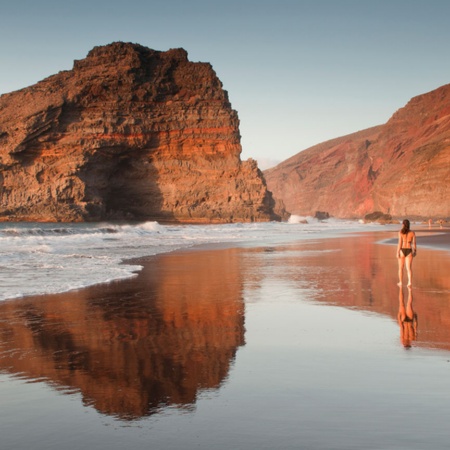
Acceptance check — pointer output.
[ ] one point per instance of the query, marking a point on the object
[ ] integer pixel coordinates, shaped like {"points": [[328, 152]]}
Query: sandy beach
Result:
{"points": [[297, 346]]}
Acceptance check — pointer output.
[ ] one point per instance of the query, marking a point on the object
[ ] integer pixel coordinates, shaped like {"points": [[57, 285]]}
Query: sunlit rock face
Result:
{"points": [[401, 168], [128, 133], [134, 347]]}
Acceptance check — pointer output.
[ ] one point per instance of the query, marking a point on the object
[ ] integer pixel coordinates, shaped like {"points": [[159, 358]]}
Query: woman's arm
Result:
{"points": [[399, 245], [414, 244]]}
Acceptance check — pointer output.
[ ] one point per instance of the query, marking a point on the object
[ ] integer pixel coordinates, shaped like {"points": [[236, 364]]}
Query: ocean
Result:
{"points": [[266, 336], [47, 258]]}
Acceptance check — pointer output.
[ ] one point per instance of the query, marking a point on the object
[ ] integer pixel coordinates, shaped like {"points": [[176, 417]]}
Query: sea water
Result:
{"points": [[289, 342], [45, 258]]}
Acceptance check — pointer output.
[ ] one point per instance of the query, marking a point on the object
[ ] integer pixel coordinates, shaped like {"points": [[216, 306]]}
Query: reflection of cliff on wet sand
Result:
{"points": [[137, 345]]}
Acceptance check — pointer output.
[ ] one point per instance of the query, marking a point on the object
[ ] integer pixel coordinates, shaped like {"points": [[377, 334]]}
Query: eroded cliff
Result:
{"points": [[128, 133], [401, 168]]}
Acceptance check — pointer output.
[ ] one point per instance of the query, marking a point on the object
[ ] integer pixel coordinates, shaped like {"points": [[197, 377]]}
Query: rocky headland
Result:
{"points": [[401, 168], [128, 133]]}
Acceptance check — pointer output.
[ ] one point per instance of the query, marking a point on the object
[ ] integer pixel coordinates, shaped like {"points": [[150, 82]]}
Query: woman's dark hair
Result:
{"points": [[405, 229]]}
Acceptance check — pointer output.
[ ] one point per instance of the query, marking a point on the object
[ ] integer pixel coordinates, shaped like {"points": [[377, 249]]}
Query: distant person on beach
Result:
{"points": [[406, 250], [407, 319]]}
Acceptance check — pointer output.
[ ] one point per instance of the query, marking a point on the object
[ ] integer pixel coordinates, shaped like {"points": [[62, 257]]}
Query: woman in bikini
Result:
{"points": [[406, 250]]}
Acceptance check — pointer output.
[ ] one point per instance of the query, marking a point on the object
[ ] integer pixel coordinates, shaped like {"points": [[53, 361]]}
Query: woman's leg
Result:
{"points": [[401, 264], [409, 260]]}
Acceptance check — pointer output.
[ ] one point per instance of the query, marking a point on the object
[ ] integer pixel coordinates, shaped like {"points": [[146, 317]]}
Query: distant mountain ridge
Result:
{"points": [[401, 168]]}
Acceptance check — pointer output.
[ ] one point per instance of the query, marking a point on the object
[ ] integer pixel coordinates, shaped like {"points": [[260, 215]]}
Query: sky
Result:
{"points": [[298, 72]]}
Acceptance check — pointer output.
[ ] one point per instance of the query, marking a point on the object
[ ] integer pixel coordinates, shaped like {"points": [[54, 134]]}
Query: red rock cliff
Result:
{"points": [[128, 133], [401, 168]]}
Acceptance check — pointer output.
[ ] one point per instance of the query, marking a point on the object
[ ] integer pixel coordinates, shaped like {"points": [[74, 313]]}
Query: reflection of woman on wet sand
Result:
{"points": [[406, 249], [407, 319]]}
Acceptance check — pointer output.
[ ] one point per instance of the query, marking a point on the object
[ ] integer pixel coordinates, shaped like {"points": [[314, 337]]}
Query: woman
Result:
{"points": [[406, 250]]}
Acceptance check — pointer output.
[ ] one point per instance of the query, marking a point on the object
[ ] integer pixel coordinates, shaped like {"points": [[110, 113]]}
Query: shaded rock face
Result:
{"points": [[128, 133], [401, 168]]}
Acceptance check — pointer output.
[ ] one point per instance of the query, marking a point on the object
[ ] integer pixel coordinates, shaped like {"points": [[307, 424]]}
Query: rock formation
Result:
{"points": [[128, 133], [401, 168]]}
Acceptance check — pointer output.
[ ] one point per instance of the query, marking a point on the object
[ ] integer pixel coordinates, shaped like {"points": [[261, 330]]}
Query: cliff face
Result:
{"points": [[128, 133], [401, 168]]}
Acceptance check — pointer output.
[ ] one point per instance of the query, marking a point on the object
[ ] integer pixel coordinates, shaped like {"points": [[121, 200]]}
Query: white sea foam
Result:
{"points": [[51, 258]]}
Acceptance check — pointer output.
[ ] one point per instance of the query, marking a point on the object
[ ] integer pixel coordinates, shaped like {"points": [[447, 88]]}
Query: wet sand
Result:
{"points": [[306, 345]]}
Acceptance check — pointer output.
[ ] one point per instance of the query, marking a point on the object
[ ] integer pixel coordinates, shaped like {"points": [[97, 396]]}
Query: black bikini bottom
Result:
{"points": [[406, 251]]}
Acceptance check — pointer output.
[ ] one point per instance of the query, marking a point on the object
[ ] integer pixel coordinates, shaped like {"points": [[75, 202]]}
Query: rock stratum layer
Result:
{"points": [[128, 133], [401, 168]]}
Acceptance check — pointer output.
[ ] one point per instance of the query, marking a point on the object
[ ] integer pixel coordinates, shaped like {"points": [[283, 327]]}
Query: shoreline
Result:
{"points": [[431, 239], [435, 239]]}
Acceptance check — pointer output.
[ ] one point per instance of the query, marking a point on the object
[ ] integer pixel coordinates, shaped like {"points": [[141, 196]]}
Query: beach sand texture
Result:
{"points": [[287, 347]]}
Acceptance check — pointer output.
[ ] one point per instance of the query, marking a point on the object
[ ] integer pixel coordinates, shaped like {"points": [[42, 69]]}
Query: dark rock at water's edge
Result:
{"points": [[378, 216], [129, 133], [321, 215]]}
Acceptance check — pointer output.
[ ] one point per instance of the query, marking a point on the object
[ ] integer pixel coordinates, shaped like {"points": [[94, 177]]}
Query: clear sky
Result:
{"points": [[298, 72]]}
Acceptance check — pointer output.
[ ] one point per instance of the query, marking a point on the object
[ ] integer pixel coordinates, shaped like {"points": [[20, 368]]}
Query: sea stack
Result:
{"points": [[129, 133]]}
